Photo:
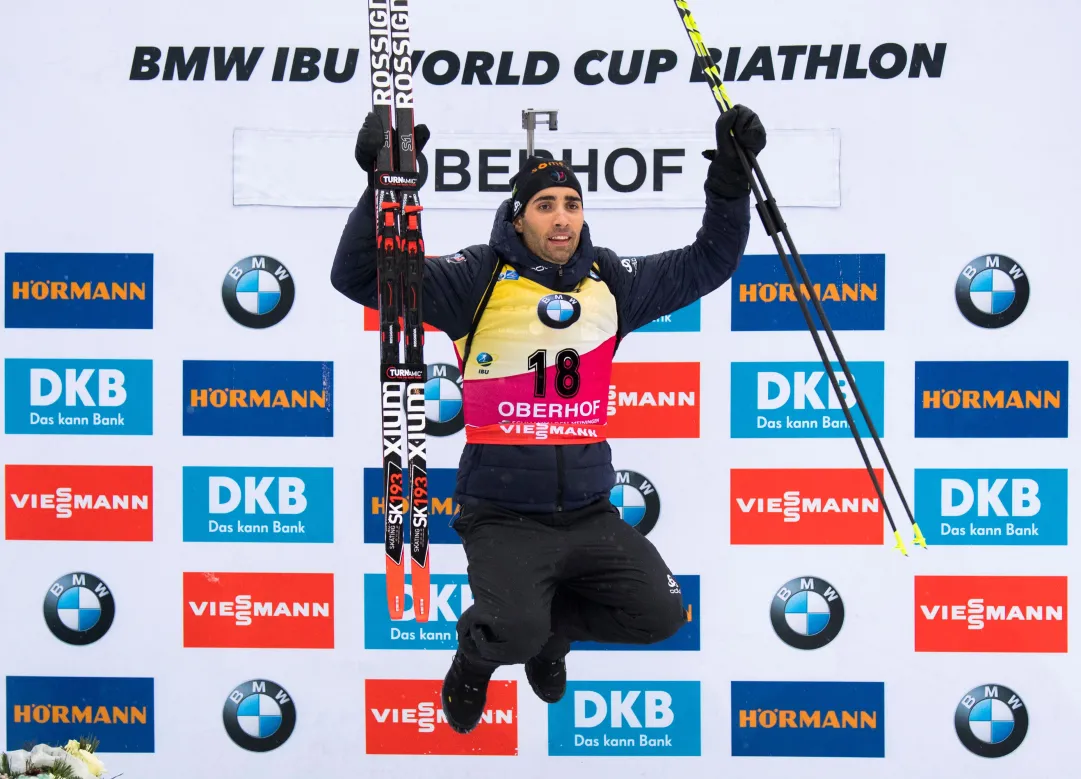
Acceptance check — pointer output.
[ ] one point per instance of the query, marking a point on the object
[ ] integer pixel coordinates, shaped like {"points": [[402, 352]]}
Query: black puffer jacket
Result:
{"points": [[549, 478]]}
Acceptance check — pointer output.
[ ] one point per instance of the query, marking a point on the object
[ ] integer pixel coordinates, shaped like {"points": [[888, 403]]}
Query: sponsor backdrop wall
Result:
{"points": [[191, 559]]}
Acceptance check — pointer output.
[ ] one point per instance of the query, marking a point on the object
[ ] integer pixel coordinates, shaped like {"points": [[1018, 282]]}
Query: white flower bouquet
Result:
{"points": [[75, 760]]}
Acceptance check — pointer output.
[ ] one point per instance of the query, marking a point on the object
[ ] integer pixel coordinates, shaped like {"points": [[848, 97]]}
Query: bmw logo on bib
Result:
{"points": [[559, 311], [258, 292]]}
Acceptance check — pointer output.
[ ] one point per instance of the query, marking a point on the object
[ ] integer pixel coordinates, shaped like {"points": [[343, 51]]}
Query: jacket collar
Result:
{"points": [[509, 247]]}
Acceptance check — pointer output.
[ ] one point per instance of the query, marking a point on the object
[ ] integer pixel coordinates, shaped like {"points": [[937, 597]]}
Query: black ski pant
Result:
{"points": [[540, 583]]}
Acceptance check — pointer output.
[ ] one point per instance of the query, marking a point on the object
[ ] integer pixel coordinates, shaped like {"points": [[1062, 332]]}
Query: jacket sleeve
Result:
{"points": [[650, 287], [450, 295]]}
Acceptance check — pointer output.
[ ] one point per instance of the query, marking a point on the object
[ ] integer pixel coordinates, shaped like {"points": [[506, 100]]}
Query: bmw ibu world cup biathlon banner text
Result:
{"points": [[192, 564]]}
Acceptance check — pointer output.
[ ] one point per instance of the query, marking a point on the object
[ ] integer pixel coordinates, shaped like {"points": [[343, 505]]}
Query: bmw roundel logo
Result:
{"points": [[637, 500], [79, 608], [991, 720], [992, 291], [258, 291], [259, 715], [559, 310], [443, 400], [807, 613]]}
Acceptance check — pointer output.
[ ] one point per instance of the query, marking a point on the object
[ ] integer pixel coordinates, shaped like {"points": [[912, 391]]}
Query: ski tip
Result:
{"points": [[918, 539], [900, 545]]}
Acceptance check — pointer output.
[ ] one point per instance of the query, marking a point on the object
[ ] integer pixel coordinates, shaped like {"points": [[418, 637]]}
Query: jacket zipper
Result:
{"points": [[559, 477]]}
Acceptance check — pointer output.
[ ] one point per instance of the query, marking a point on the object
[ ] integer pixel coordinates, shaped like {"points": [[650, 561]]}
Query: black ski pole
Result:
{"points": [[770, 215]]}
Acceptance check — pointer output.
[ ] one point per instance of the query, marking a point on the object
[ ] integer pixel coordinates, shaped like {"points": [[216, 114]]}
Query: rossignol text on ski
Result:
{"points": [[400, 248]]}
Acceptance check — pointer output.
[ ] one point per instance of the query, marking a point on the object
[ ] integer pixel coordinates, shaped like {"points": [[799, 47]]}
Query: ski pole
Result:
{"points": [[773, 223]]}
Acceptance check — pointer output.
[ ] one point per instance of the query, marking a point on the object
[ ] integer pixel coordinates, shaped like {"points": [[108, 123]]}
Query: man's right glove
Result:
{"points": [[371, 138], [726, 176]]}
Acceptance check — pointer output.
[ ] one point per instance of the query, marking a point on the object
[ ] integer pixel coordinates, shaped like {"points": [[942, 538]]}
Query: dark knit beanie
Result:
{"points": [[538, 174]]}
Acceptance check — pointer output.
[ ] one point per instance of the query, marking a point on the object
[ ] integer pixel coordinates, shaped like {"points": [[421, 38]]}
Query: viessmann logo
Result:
{"points": [[79, 503], [805, 506], [405, 717], [654, 400], [259, 610], [991, 614]]}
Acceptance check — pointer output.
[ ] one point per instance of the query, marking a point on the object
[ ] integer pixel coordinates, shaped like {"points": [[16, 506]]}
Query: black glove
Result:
{"points": [[372, 136], [726, 177]]}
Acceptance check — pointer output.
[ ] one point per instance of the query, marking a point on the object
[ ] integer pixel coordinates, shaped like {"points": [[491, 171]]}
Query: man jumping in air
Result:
{"points": [[536, 315]]}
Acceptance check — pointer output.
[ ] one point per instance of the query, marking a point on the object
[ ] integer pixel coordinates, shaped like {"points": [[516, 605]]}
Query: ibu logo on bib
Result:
{"points": [[78, 397], [639, 719]]}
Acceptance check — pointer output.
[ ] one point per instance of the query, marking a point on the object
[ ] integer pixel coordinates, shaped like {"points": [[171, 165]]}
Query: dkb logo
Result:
{"points": [[284, 505], [78, 397], [797, 399], [640, 718], [992, 506]]}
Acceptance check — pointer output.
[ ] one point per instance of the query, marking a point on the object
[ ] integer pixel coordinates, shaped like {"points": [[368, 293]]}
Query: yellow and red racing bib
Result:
{"points": [[540, 363]]}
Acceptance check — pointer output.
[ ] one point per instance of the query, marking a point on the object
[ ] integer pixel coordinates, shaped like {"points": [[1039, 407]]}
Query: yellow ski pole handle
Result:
{"points": [[713, 73]]}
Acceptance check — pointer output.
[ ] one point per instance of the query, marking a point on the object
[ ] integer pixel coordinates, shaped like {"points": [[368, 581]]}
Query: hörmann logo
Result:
{"points": [[78, 397], [258, 398], [441, 505], [259, 610], [850, 287], [991, 399], [79, 503], [991, 614], [593, 67], [79, 290], [808, 719], [992, 506], [804, 506], [119, 711], [797, 399]]}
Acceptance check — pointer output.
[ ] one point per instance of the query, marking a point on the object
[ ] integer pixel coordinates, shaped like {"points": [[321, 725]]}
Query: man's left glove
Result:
{"points": [[726, 176], [372, 136]]}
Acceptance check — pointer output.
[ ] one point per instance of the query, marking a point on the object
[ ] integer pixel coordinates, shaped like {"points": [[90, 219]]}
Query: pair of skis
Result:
{"points": [[771, 220], [400, 260]]}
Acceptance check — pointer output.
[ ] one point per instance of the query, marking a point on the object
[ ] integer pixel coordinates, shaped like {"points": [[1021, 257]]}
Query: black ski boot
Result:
{"points": [[465, 690], [548, 678]]}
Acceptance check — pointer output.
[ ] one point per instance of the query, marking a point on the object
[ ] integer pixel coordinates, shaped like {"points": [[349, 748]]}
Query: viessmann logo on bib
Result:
{"points": [[259, 610]]}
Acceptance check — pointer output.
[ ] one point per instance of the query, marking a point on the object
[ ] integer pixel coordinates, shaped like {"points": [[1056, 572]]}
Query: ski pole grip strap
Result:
{"points": [[770, 206]]}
